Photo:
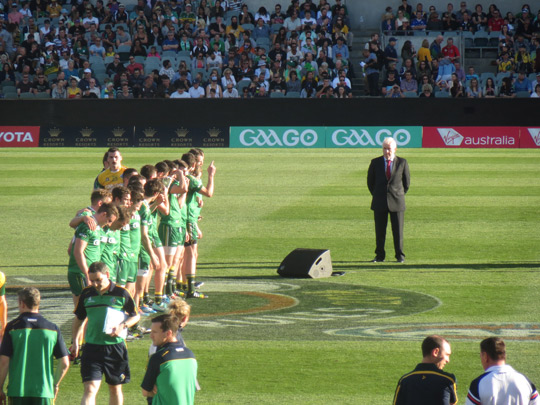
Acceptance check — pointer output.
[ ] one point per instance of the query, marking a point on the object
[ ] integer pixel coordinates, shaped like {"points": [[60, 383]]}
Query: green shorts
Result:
{"points": [[29, 401], [144, 264], [192, 231], [113, 269], [172, 236], [127, 272], [154, 238], [77, 283]]}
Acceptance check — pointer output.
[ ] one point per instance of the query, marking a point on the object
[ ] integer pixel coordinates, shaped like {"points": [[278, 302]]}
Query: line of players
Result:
{"points": [[146, 224]]}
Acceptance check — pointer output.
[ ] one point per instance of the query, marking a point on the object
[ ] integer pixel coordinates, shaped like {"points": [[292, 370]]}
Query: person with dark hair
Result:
{"points": [[500, 384], [171, 374], [110, 310], [113, 175], [27, 352], [428, 384]]}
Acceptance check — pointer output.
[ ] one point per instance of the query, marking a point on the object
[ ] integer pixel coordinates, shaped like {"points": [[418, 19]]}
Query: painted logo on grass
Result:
{"points": [[297, 309], [475, 332]]}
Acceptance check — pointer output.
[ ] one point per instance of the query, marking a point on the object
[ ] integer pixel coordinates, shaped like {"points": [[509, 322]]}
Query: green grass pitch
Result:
{"points": [[472, 269]]}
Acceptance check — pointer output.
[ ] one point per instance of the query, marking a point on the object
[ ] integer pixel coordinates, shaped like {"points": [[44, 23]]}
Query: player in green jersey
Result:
{"points": [[147, 257], [29, 346], [193, 209], [171, 374], [110, 241], [171, 231], [86, 249], [134, 232], [110, 310]]}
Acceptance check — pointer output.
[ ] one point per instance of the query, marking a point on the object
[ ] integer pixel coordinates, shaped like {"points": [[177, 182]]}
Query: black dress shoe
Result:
{"points": [[377, 260], [401, 260]]}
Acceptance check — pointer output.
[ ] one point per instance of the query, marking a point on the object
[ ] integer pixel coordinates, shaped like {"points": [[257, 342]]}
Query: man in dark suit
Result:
{"points": [[388, 180]]}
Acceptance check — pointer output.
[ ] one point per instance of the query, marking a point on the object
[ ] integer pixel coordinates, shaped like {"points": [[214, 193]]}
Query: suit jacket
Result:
{"points": [[388, 194]]}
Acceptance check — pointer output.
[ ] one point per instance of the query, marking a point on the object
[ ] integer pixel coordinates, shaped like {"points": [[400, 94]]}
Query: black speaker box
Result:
{"points": [[306, 263]]}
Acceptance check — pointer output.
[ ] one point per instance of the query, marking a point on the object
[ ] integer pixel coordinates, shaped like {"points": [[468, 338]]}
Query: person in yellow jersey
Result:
{"points": [[113, 174]]}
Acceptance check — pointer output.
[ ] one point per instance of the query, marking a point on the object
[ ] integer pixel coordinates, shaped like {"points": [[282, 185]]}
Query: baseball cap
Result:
{"points": [[392, 39], [87, 71]]}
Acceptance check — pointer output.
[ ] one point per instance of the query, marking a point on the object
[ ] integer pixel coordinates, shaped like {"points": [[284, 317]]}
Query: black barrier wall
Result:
{"points": [[221, 114]]}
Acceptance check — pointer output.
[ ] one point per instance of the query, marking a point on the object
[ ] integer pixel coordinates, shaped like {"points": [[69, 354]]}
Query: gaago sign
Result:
{"points": [[372, 137], [277, 137], [323, 137]]}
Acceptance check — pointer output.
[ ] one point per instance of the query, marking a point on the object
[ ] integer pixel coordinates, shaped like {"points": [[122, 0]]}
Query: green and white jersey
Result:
{"points": [[134, 237], [174, 217], [110, 247], [92, 252], [173, 369], [146, 221], [32, 342], [125, 243], [94, 306], [193, 209]]}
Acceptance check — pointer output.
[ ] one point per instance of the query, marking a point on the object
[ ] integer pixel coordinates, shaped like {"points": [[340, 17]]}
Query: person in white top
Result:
{"points": [[500, 384]]}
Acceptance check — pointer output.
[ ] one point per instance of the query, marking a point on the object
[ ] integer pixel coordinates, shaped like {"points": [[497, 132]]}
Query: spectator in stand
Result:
{"points": [[523, 60], [293, 84], [408, 64], [427, 91], [214, 85], [459, 71], [449, 19], [522, 83], [277, 85], [25, 85], [73, 91], [466, 23], [420, 8], [536, 81], [389, 82], [395, 92], [496, 22], [505, 64], [399, 20], [423, 81], [474, 90], [277, 17], [293, 23], [418, 23], [446, 69], [507, 88], [423, 71], [405, 8], [261, 30], [132, 65], [122, 37], [390, 53], [462, 10], [409, 83], [372, 70], [388, 24], [424, 54], [341, 48], [479, 18], [230, 91], [435, 47], [490, 90], [471, 74], [407, 51], [536, 92], [451, 51], [456, 87], [434, 23]]}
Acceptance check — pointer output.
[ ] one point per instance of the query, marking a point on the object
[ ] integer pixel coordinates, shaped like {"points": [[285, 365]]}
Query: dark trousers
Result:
{"points": [[373, 83], [381, 222]]}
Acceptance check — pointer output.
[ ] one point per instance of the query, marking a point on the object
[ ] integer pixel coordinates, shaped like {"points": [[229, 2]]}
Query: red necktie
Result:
{"points": [[388, 173]]}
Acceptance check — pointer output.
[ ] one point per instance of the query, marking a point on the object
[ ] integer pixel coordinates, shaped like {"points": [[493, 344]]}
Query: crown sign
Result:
{"points": [[86, 132], [54, 132], [214, 132], [149, 132]]}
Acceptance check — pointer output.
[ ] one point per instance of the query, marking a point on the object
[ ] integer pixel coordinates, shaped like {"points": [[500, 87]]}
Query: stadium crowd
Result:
{"points": [[434, 70], [174, 49]]}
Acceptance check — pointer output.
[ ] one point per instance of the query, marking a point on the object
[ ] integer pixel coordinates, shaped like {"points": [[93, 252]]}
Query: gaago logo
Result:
{"points": [[535, 135], [289, 137], [450, 136], [351, 137]]}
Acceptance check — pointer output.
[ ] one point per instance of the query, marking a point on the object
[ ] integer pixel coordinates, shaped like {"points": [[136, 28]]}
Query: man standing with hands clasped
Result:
{"points": [[388, 180]]}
